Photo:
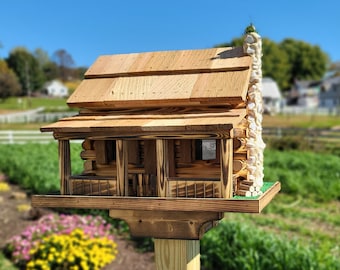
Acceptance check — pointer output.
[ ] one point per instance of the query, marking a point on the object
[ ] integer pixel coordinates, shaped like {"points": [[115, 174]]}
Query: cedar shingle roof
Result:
{"points": [[170, 78]]}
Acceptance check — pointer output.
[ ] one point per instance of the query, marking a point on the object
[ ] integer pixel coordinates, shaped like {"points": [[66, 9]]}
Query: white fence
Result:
{"points": [[34, 116], [24, 136]]}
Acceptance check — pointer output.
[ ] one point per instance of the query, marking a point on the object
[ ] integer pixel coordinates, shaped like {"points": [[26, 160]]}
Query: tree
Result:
{"points": [[307, 62], [64, 62], [9, 84], [274, 61], [48, 67], [42, 57], [27, 69], [289, 60]]}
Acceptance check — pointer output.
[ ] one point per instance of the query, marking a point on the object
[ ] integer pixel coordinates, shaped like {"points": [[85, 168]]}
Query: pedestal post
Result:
{"points": [[173, 254]]}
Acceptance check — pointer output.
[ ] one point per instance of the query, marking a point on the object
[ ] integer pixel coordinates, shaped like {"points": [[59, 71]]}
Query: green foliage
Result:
{"points": [[289, 60], [306, 174], [35, 166], [307, 62], [275, 63], [27, 69], [9, 85], [234, 245], [5, 264]]}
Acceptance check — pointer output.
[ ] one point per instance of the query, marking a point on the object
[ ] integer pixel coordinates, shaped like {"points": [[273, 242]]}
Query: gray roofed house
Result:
{"points": [[271, 96], [330, 93]]}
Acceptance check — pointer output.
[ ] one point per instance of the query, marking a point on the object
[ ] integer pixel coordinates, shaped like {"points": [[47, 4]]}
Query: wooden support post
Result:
{"points": [[122, 167], [162, 167], [227, 168], [173, 254], [64, 165]]}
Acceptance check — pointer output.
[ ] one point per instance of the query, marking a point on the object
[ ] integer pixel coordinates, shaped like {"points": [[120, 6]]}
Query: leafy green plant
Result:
{"points": [[233, 245], [35, 166], [305, 174]]}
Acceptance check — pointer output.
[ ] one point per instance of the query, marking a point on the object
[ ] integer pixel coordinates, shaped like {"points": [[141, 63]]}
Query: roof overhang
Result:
{"points": [[169, 125]]}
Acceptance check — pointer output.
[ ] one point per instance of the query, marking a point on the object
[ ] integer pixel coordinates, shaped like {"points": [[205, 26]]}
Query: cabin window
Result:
{"points": [[205, 149]]}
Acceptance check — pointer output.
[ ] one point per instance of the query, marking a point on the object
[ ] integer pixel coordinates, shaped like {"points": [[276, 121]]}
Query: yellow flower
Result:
{"points": [[4, 186], [23, 207], [50, 257], [30, 264], [70, 258]]}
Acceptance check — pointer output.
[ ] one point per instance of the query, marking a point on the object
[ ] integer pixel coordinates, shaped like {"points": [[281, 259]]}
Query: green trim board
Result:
{"points": [[265, 187]]}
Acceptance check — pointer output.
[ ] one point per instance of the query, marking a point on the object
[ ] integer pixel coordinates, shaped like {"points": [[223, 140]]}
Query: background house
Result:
{"points": [[305, 94], [330, 93], [55, 88], [271, 95]]}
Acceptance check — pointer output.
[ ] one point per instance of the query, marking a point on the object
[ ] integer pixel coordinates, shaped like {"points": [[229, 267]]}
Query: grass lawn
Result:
{"points": [[301, 121], [25, 103], [301, 219]]}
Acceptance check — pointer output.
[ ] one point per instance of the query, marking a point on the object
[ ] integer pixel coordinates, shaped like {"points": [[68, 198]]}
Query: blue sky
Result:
{"points": [[87, 29]]}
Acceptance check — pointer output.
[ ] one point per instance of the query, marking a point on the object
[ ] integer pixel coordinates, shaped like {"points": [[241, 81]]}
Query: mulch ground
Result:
{"points": [[15, 215]]}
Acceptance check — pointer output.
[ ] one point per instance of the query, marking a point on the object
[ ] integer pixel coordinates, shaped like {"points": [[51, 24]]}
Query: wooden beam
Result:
{"points": [[158, 204], [162, 167], [64, 165], [168, 224], [226, 168], [177, 254], [122, 167]]}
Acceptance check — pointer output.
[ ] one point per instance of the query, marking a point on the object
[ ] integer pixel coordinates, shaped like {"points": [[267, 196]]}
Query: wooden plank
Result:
{"points": [[185, 152], [171, 157], [147, 121], [165, 90], [85, 91], [122, 167], [167, 224], [226, 168], [169, 62], [158, 204], [177, 254], [133, 152], [114, 134], [221, 85], [150, 165], [64, 164], [162, 153], [100, 152]]}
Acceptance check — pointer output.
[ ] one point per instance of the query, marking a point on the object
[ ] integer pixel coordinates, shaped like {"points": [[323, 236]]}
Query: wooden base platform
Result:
{"points": [[179, 218]]}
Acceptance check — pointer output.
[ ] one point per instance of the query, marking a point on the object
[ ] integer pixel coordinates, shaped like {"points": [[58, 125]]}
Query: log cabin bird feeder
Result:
{"points": [[170, 140]]}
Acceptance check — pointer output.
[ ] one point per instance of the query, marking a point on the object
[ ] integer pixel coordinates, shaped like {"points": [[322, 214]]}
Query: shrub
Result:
{"points": [[233, 245], [29, 245]]}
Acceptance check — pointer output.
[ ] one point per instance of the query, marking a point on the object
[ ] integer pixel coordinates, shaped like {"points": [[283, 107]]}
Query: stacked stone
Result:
{"points": [[251, 186]]}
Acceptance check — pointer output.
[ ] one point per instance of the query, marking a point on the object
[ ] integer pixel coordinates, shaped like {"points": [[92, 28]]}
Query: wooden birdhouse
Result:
{"points": [[170, 140]]}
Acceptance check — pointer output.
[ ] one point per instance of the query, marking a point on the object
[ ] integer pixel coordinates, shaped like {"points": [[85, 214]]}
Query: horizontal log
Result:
{"points": [[239, 145], [245, 193], [246, 187], [247, 182], [88, 154]]}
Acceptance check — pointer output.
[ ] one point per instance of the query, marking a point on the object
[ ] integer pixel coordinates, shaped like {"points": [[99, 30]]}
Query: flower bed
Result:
{"points": [[65, 242]]}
